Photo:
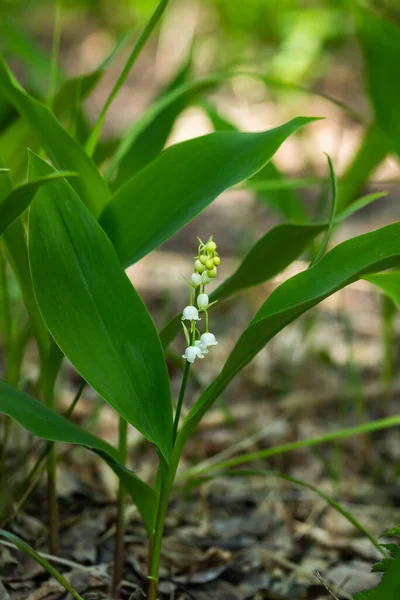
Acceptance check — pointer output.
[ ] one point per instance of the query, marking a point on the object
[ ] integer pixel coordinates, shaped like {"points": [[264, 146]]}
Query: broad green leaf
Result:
{"points": [[181, 182], [270, 255], [372, 151], [16, 247], [388, 283], [29, 551], [62, 148], [48, 425], [13, 205], [344, 264], [93, 312], [129, 139], [284, 200], [152, 139], [380, 41]]}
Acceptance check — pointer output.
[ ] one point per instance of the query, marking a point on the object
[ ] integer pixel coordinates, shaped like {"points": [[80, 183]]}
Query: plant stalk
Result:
{"points": [[181, 398], [156, 542], [119, 536], [388, 312], [54, 544]]}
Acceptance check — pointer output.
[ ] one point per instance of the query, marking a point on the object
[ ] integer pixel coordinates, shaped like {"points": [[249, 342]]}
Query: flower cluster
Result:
{"points": [[205, 269]]}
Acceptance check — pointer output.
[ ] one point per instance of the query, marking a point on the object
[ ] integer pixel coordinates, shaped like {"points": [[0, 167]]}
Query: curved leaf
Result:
{"points": [[269, 256], [48, 425], [93, 312], [328, 233], [181, 182], [62, 148], [29, 551], [146, 146], [17, 201], [344, 264]]}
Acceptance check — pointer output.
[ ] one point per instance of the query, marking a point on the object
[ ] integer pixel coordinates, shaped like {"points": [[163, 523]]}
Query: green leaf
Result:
{"points": [[380, 41], [18, 135], [372, 151], [269, 256], [16, 42], [152, 139], [29, 551], [138, 47], [358, 205], [17, 201], [389, 587], [16, 247], [129, 139], [62, 148], [344, 264], [93, 312], [181, 182], [388, 283], [48, 425], [393, 531], [282, 199]]}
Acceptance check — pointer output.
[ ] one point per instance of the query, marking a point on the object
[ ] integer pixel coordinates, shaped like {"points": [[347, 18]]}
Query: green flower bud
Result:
{"points": [[199, 266], [216, 261], [209, 264], [211, 246], [203, 259], [212, 272]]}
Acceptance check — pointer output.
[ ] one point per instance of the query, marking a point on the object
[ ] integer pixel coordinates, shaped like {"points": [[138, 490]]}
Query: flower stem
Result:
{"points": [[180, 400], [156, 543], [119, 536]]}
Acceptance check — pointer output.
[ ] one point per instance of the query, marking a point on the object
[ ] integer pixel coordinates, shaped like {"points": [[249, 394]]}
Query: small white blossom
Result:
{"points": [[208, 339], [203, 347], [191, 353], [195, 278], [190, 313], [202, 301]]}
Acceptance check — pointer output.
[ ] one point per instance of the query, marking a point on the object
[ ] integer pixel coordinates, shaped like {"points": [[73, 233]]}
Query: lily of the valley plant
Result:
{"points": [[89, 210]]}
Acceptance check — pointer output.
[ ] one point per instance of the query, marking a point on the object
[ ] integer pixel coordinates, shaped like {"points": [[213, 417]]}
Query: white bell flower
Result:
{"points": [[203, 347], [195, 278], [190, 313], [191, 353], [202, 301], [208, 339]]}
